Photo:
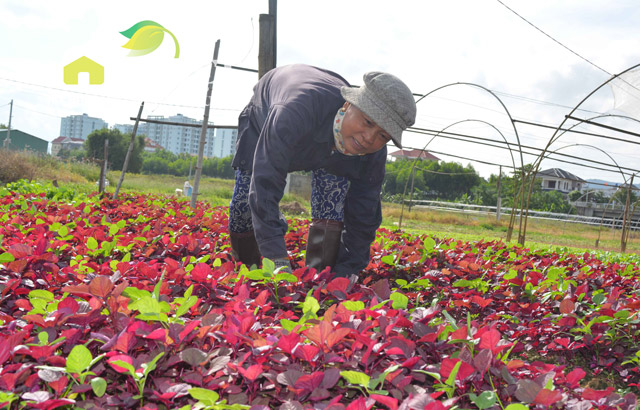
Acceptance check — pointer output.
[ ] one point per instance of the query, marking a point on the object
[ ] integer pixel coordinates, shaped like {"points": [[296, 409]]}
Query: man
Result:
{"points": [[306, 118]]}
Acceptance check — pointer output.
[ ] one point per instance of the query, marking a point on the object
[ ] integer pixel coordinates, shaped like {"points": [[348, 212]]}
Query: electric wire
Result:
{"points": [[608, 137], [542, 102], [112, 97], [554, 40], [453, 136], [571, 51], [36, 111]]}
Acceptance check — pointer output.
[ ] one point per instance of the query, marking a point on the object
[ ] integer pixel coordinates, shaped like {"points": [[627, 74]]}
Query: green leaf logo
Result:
{"points": [[145, 36]]}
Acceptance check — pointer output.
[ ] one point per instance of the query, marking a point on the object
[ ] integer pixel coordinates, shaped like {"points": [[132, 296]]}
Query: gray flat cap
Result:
{"points": [[386, 100]]}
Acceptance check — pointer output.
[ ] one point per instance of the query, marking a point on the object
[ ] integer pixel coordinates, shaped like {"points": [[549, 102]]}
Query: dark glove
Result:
{"points": [[284, 264]]}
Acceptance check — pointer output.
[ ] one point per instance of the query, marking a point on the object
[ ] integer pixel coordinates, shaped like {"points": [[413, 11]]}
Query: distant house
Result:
{"points": [[151, 146], [413, 154], [607, 188], [67, 143], [19, 141], [556, 179]]}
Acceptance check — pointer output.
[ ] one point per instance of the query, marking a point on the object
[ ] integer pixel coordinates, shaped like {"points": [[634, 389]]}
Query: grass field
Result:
{"points": [[540, 233], [443, 224]]}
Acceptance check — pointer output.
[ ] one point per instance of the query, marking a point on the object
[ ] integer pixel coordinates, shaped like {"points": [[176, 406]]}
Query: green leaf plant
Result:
{"points": [[78, 367], [140, 377], [269, 275], [210, 400]]}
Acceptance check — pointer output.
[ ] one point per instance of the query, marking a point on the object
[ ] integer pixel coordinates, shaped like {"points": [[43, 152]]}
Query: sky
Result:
{"points": [[477, 61]]}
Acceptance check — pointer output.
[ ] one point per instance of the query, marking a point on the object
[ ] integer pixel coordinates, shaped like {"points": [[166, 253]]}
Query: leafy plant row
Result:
{"points": [[137, 303]]}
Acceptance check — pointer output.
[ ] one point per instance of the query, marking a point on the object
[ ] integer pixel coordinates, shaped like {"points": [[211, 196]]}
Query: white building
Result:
{"points": [[185, 139], [224, 144], [126, 128], [80, 126], [68, 143], [556, 179]]}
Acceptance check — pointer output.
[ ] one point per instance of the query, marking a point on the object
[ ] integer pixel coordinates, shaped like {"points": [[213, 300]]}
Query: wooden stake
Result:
{"points": [[623, 237], [103, 170], [499, 199], [205, 123], [131, 145]]}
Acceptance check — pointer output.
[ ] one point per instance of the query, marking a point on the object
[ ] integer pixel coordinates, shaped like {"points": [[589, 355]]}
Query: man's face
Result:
{"points": [[360, 134]]}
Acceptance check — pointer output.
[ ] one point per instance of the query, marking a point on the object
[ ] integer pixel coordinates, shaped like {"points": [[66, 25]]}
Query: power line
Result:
{"points": [[451, 135], [597, 124], [432, 172], [541, 102], [254, 70], [587, 133], [517, 97], [435, 132], [468, 159], [553, 39], [235, 67], [571, 51], [91, 94], [111, 97], [537, 151], [182, 124], [39, 112]]}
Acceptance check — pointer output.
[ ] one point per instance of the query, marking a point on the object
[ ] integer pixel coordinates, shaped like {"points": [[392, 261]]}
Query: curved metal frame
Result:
{"points": [[610, 157], [534, 169], [425, 147], [515, 130]]}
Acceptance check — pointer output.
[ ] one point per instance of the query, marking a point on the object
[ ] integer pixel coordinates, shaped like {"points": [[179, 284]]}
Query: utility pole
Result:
{"points": [[7, 141], [273, 10], [267, 47], [131, 144], [205, 123]]}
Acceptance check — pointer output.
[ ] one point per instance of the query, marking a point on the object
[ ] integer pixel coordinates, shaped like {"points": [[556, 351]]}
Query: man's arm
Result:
{"points": [[278, 137]]}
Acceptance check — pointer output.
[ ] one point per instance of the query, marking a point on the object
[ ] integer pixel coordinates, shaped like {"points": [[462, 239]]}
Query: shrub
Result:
{"points": [[30, 166], [88, 170], [15, 166]]}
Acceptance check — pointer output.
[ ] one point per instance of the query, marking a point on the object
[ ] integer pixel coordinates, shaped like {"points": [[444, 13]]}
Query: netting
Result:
{"points": [[626, 93]]}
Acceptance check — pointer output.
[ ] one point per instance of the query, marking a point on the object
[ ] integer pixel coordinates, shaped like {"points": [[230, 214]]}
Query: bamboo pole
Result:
{"points": [[203, 132], [103, 169], [623, 237], [128, 156]]}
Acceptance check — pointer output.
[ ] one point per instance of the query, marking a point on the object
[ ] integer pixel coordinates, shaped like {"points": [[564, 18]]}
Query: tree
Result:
{"points": [[68, 154], [118, 146], [166, 162], [575, 195], [445, 180], [3, 127], [621, 196], [590, 195]]}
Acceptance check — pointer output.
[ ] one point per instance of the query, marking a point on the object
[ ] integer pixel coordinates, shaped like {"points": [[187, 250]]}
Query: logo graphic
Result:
{"points": [[83, 65], [145, 36]]}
